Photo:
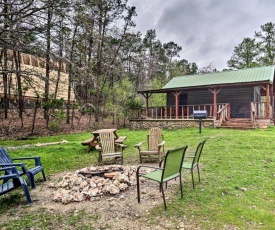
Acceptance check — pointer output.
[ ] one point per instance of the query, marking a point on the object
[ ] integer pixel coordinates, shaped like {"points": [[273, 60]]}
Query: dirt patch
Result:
{"points": [[121, 211]]}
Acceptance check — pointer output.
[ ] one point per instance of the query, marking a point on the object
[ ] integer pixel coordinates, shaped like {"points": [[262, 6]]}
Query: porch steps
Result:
{"points": [[238, 123]]}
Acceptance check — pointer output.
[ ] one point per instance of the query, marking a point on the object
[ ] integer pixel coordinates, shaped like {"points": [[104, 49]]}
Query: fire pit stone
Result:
{"points": [[94, 181]]}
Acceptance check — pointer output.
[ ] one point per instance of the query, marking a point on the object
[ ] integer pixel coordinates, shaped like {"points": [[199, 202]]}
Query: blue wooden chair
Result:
{"points": [[194, 162], [11, 180], [171, 170], [7, 161]]}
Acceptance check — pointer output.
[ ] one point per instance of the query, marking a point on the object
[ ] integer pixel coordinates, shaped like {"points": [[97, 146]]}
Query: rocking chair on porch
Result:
{"points": [[155, 145]]}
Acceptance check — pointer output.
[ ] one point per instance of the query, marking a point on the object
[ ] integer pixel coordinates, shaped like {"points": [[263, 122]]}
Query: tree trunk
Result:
{"points": [[98, 86], [70, 76], [16, 56], [47, 76], [34, 115], [61, 44], [5, 62], [5, 81]]}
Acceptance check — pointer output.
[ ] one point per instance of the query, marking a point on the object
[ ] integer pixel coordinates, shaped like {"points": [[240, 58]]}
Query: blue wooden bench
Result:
{"points": [[7, 161], [12, 181]]}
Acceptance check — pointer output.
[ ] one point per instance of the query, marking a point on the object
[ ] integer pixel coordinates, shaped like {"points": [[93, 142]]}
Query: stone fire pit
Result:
{"points": [[91, 182]]}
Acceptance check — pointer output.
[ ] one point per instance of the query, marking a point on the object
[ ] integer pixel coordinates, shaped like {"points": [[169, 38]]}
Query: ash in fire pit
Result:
{"points": [[107, 172], [90, 182]]}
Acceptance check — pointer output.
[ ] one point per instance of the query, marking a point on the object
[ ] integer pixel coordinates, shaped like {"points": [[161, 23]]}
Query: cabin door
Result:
{"points": [[183, 99], [182, 104], [257, 94]]}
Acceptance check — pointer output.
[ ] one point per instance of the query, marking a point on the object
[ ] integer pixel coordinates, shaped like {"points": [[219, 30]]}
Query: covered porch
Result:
{"points": [[238, 94], [218, 113]]}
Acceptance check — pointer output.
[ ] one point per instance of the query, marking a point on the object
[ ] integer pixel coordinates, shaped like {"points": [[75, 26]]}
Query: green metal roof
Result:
{"points": [[251, 75]]}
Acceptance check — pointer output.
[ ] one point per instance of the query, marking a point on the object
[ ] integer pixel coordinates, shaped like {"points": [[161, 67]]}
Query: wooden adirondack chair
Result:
{"points": [[155, 145], [7, 161], [11, 180], [109, 148]]}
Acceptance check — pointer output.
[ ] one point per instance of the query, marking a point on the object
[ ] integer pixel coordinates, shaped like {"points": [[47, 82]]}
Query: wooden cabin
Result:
{"points": [[237, 98]]}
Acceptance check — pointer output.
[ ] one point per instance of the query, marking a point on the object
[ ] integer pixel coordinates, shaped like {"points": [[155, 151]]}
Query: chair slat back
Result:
{"points": [[198, 152], [173, 162], [4, 157], [154, 138], [107, 140]]}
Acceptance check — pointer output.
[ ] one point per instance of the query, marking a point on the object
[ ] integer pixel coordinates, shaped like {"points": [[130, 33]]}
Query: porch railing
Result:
{"points": [[223, 113], [257, 110], [260, 110], [169, 112], [253, 113]]}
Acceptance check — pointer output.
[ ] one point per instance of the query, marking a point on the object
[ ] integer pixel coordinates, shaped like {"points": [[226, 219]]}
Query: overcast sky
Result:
{"points": [[207, 30]]}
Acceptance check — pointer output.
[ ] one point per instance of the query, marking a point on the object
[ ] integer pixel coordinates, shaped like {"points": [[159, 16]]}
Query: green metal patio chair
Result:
{"points": [[195, 161], [171, 170]]}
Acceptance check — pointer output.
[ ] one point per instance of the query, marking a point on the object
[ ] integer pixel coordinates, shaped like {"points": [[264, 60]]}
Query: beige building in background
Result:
{"points": [[33, 75]]}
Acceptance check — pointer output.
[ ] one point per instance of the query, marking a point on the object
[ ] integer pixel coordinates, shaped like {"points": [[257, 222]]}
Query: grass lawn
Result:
{"points": [[237, 186]]}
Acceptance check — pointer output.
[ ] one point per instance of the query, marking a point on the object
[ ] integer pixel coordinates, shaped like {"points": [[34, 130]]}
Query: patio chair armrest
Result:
{"points": [[9, 176], [12, 174], [190, 151], [190, 154], [26, 158], [23, 167], [35, 158], [160, 163], [13, 164], [161, 144], [146, 166], [139, 144], [121, 145], [98, 148], [8, 168]]}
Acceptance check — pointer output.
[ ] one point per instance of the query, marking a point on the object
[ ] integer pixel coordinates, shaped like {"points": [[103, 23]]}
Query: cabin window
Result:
{"points": [[183, 99]]}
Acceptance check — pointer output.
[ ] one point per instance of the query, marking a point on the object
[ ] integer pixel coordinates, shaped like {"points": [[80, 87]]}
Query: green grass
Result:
{"points": [[233, 161]]}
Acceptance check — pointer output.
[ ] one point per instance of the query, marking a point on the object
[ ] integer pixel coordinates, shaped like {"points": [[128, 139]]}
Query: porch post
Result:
{"points": [[215, 102], [147, 96], [215, 92], [272, 99], [267, 101], [176, 94]]}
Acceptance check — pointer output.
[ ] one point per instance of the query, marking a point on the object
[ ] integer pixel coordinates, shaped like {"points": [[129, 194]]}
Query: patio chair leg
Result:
{"points": [[31, 180], [25, 189], [199, 173], [99, 157], [44, 177], [138, 190], [162, 190], [193, 179], [21, 182], [181, 187]]}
